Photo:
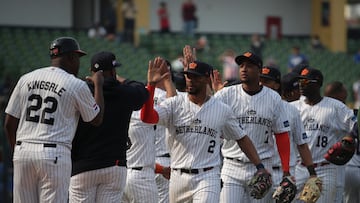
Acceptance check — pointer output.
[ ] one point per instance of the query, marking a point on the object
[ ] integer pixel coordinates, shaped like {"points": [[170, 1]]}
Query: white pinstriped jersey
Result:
{"points": [[195, 139], [325, 123], [259, 115], [48, 102], [142, 137], [297, 134], [160, 146]]}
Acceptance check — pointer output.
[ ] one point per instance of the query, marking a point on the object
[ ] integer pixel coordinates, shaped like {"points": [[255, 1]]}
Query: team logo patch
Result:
{"points": [[247, 54], [96, 65], [192, 65], [251, 112], [286, 124], [197, 121], [304, 136], [265, 71], [310, 120], [305, 71]]}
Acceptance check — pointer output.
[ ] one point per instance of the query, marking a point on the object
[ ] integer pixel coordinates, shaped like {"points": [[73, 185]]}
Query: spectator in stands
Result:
{"points": [[229, 67], [189, 18], [110, 22], [202, 44], [257, 45], [357, 57], [129, 11], [296, 58], [164, 18], [316, 44], [97, 31]]}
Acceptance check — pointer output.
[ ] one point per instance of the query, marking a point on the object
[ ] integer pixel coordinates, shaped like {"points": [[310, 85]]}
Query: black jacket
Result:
{"points": [[104, 146]]}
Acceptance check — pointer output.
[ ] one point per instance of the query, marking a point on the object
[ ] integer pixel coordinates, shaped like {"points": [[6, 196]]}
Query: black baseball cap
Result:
{"points": [[253, 58], [271, 73], [290, 81], [312, 74], [298, 68], [199, 68], [104, 61]]}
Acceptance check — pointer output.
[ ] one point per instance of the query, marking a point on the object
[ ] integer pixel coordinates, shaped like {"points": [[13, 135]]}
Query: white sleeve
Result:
{"points": [[281, 122], [85, 103], [232, 129]]}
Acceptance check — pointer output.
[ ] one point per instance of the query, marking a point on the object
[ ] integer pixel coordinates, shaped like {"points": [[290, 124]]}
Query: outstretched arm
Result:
{"points": [[157, 71]]}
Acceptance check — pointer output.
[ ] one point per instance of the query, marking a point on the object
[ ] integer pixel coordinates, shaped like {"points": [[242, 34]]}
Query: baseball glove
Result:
{"points": [[312, 190], [341, 152], [260, 184], [286, 191]]}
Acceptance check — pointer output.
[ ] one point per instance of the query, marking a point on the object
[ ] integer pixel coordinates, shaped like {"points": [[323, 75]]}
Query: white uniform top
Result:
{"points": [[195, 131], [325, 123], [259, 115], [142, 137], [160, 132], [48, 102], [297, 134]]}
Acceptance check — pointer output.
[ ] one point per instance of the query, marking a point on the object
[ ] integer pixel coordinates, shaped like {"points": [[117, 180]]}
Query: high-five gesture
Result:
{"points": [[216, 81], [189, 55], [157, 70]]}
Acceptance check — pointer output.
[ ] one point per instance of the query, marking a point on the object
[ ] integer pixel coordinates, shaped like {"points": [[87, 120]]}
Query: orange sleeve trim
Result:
{"points": [[283, 145], [147, 113]]}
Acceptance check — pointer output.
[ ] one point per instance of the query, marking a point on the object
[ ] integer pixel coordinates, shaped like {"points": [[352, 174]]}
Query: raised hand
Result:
{"points": [[216, 81], [97, 78], [157, 70], [189, 55]]}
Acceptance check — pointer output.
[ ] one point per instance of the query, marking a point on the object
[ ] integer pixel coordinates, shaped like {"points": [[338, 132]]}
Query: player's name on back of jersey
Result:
{"points": [[46, 85], [196, 129]]}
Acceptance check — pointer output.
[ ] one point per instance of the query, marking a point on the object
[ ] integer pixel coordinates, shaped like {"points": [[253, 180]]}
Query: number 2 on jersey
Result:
{"points": [[36, 106], [211, 146]]}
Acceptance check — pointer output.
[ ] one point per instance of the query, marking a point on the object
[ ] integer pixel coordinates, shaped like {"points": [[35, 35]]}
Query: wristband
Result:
{"points": [[311, 170], [260, 166]]}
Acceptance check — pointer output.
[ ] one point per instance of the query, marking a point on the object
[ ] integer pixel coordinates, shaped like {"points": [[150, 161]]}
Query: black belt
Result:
{"points": [[192, 171], [234, 159], [45, 144], [165, 155], [276, 167], [137, 168], [318, 164]]}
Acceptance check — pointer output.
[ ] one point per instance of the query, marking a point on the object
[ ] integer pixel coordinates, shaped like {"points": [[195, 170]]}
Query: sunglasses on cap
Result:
{"points": [[307, 81]]}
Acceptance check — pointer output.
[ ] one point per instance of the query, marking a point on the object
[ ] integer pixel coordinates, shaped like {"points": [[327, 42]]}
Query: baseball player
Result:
{"points": [[337, 90], [325, 121], [41, 119], [99, 153], [270, 77], [260, 112], [140, 181], [196, 122], [162, 151], [352, 177]]}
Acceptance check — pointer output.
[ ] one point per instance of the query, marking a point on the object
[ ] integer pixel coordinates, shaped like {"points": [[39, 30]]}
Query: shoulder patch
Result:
{"points": [[286, 124]]}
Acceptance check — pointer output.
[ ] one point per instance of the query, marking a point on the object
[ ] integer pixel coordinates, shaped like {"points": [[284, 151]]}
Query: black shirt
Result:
{"points": [[104, 146]]}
